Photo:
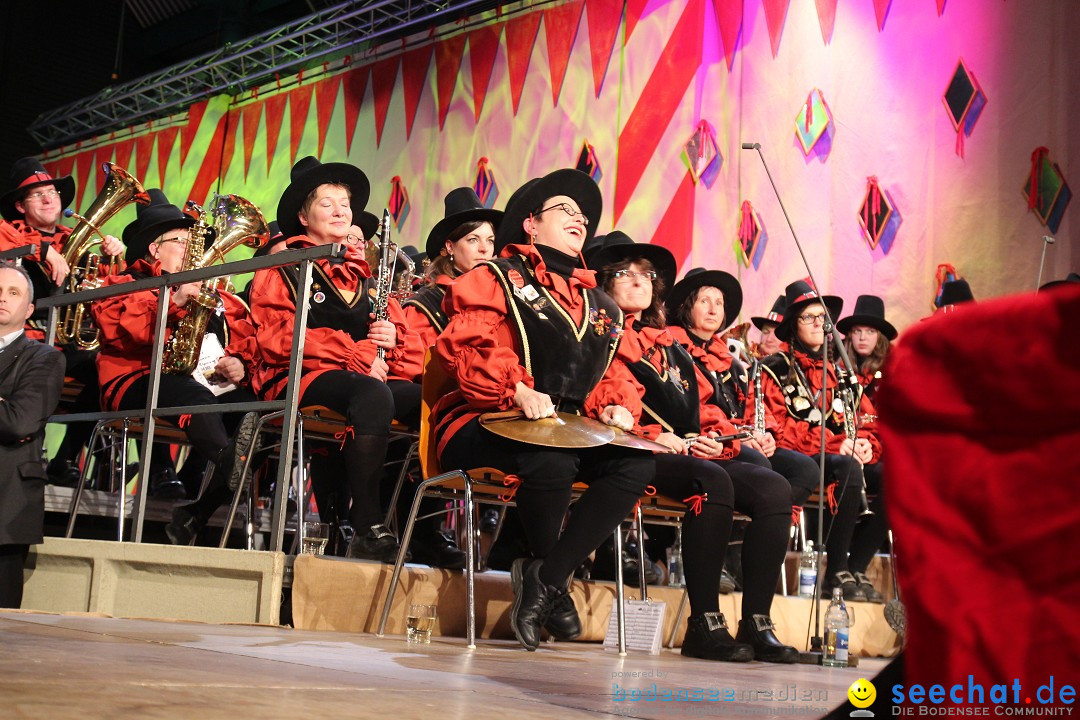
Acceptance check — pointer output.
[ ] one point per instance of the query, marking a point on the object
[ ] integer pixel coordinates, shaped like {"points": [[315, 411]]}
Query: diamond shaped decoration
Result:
{"points": [[878, 216], [813, 122], [1052, 193], [398, 205], [702, 155], [751, 239], [485, 186], [588, 163], [964, 101]]}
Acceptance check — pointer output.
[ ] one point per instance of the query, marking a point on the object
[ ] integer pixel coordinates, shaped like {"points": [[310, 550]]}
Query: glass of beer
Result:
{"points": [[315, 536], [419, 623]]}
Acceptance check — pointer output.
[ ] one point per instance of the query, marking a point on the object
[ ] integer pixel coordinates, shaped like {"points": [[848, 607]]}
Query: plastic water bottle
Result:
{"points": [[675, 562], [837, 622], [807, 571]]}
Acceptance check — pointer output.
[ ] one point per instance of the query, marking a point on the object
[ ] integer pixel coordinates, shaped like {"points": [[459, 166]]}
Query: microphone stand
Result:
{"points": [[1047, 240], [815, 655]]}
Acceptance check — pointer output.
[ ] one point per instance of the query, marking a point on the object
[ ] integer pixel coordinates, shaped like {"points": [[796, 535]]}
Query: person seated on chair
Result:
{"points": [[868, 338], [157, 243], [31, 377], [767, 340], [342, 367], [792, 388], [530, 330], [705, 474]]}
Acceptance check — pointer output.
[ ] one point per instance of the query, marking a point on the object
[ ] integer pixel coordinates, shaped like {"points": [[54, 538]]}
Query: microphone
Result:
{"points": [[751, 146]]}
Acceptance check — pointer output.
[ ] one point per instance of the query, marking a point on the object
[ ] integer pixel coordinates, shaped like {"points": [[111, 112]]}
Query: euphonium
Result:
{"points": [[236, 222], [74, 326]]}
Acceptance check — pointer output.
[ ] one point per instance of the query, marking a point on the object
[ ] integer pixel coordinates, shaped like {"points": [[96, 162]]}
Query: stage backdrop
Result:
{"points": [[520, 92]]}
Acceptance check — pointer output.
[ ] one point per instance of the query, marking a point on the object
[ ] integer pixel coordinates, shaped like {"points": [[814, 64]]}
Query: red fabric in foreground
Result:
{"points": [[981, 418]]}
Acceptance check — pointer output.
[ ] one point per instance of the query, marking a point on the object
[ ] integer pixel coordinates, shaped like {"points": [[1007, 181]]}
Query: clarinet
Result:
{"points": [[384, 278], [759, 401], [847, 397]]}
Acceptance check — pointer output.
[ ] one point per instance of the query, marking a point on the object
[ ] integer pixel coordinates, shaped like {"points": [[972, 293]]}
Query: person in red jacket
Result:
{"points": [[792, 385], [868, 338], [342, 368], [464, 238], [701, 471], [530, 330], [157, 242]]}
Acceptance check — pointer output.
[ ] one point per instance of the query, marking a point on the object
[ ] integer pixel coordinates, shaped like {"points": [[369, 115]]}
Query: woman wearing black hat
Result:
{"points": [[675, 406], [156, 243], [464, 238], [792, 384], [341, 368], [768, 343], [868, 337], [530, 330]]}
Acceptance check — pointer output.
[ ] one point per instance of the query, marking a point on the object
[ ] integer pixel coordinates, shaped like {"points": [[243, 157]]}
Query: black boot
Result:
{"points": [[707, 637], [63, 472], [853, 592], [533, 601], [184, 528], [438, 549], [871, 592], [378, 543], [757, 632], [564, 622], [230, 463]]}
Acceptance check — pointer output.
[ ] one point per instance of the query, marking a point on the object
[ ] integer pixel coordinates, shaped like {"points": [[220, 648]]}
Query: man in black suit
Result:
{"points": [[31, 378]]}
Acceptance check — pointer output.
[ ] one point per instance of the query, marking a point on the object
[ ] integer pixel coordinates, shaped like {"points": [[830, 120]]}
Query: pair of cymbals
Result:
{"points": [[563, 430]]}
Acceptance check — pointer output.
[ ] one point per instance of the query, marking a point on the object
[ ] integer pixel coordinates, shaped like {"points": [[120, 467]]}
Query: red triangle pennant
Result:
{"points": [[661, 97], [214, 161], [447, 63], [604, 17], [560, 27], [124, 149], [383, 79], [325, 99], [299, 104], [354, 85], [676, 228], [251, 114], [275, 114], [826, 15], [634, 9], [144, 148], [166, 141], [187, 135], [64, 166], [520, 39], [940, 7], [729, 17], [414, 70], [483, 45], [881, 11], [775, 14], [84, 165]]}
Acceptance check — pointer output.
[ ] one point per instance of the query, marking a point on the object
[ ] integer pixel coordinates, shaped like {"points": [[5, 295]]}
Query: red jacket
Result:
{"points": [[419, 322]]}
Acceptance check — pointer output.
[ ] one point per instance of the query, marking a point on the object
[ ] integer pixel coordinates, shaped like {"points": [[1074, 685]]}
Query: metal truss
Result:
{"points": [[243, 65]]}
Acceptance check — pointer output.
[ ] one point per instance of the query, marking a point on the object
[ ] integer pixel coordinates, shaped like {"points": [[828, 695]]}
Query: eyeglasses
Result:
{"points": [[568, 209], [812, 319], [648, 275], [43, 195]]}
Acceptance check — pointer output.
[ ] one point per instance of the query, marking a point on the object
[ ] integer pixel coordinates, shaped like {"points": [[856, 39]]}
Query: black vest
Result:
{"points": [[729, 388], [565, 360], [328, 309], [671, 396], [428, 300], [799, 397]]}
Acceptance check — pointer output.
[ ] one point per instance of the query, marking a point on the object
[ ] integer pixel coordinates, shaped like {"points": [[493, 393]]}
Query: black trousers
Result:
{"points": [[206, 433], [616, 478], [12, 560], [852, 539], [82, 367]]}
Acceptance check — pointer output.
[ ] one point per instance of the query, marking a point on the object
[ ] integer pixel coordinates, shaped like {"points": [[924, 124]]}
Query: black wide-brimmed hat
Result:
{"points": [[571, 183], [152, 220], [1070, 279], [697, 278], [798, 295], [616, 246], [306, 175], [369, 224], [276, 236], [869, 311], [461, 205], [28, 173], [775, 315], [954, 292]]}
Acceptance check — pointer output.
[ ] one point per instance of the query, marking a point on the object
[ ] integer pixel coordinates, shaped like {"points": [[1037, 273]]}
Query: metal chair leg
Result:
{"points": [[639, 524], [144, 477], [620, 595], [240, 488], [678, 618], [470, 565], [76, 497], [391, 512]]}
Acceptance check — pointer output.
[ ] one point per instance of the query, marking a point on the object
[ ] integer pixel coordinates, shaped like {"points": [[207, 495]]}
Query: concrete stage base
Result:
{"points": [[162, 581], [347, 596]]}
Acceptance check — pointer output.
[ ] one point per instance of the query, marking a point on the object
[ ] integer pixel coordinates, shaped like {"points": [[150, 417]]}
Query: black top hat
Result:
{"points": [[461, 205], [605, 250], [306, 175], [151, 221], [699, 278], [775, 316], [798, 295], [369, 224], [527, 198], [955, 291], [869, 311], [28, 173], [1070, 279], [276, 236]]}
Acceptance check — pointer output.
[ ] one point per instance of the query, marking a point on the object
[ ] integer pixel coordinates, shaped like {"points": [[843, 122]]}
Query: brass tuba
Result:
{"points": [[236, 222], [74, 326]]}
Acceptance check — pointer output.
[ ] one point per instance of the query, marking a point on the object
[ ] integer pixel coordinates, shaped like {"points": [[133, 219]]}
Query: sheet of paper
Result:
{"points": [[209, 354], [644, 625]]}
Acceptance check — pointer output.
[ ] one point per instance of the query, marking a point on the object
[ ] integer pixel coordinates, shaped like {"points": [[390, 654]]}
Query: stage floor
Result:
{"points": [[65, 666]]}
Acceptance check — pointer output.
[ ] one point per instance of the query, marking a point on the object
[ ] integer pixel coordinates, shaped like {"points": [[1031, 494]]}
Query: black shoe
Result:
{"points": [[853, 592], [438, 550], [707, 637], [871, 592], [378, 543], [489, 520], [184, 527], [631, 572], [164, 485], [727, 582], [563, 623], [533, 601], [757, 632], [63, 472], [233, 457]]}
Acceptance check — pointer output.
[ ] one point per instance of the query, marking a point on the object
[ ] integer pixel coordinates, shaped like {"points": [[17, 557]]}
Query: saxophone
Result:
{"points": [[385, 279], [236, 222]]}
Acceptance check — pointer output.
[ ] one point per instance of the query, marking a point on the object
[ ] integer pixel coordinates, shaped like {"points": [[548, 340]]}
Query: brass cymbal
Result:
{"points": [[563, 430], [636, 442]]}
